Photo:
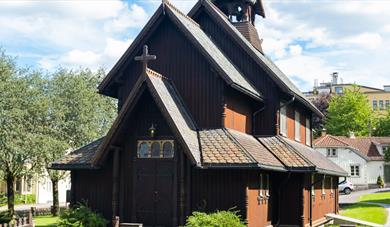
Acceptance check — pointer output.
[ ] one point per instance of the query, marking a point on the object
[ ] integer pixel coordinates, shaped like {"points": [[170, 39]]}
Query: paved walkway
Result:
{"points": [[354, 196], [28, 206]]}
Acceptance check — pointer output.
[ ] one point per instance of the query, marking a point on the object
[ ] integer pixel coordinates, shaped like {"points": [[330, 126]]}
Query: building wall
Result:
{"points": [[238, 112], [369, 171], [44, 190]]}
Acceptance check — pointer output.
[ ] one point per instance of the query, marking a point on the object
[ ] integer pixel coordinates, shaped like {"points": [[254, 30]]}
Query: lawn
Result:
{"points": [[45, 221], [380, 197], [366, 212]]}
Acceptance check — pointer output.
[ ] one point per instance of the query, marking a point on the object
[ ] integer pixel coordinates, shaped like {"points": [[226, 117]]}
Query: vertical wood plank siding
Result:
{"points": [[238, 112], [199, 86], [266, 120], [95, 188]]}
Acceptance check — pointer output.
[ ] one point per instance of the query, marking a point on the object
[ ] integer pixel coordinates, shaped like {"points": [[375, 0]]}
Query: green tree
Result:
{"points": [[22, 103], [76, 115], [383, 125], [348, 113]]}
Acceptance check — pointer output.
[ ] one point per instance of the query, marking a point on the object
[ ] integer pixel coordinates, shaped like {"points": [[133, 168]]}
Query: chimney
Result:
{"points": [[323, 132], [386, 88], [242, 14], [335, 77], [352, 135]]}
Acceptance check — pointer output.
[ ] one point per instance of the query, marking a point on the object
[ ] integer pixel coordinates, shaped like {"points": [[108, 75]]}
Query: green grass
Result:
{"points": [[46, 221], [380, 197], [366, 212]]}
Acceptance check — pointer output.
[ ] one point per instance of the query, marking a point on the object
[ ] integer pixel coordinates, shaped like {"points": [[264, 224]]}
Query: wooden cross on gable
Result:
{"points": [[145, 58]]}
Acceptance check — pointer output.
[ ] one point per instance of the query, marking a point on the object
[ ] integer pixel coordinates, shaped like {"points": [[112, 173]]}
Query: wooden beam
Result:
{"points": [[115, 184]]}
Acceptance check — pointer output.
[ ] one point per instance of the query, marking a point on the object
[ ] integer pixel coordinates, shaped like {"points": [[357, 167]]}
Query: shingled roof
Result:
{"points": [[232, 76], [262, 60], [363, 146], [78, 159]]}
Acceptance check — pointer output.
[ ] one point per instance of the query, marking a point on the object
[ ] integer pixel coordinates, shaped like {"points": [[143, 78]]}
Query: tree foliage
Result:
{"points": [[348, 113], [21, 106], [383, 125], [322, 103]]}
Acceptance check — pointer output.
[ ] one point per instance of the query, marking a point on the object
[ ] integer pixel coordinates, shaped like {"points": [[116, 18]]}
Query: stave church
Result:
{"points": [[206, 122]]}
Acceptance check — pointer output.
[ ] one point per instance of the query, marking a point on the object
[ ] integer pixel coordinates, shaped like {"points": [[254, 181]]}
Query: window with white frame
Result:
{"points": [[297, 126], [283, 120], [331, 152], [355, 170], [308, 132], [331, 185], [312, 185]]}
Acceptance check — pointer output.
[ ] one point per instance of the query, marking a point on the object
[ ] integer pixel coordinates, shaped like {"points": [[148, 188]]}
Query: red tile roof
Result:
{"points": [[366, 146]]}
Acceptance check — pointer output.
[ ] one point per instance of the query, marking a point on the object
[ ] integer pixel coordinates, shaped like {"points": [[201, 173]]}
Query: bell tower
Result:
{"points": [[242, 14]]}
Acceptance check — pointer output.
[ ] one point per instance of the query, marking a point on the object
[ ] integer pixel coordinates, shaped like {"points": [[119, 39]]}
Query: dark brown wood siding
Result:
{"points": [[266, 120], [178, 59], [95, 188]]}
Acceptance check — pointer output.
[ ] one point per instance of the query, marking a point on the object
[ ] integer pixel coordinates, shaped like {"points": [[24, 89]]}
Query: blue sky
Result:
{"points": [[307, 39]]}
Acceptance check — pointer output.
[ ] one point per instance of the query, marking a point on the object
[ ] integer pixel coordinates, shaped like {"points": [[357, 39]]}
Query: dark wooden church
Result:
{"points": [[205, 122]]}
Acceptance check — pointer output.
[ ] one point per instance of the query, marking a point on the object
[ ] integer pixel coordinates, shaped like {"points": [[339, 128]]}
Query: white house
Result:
{"points": [[361, 157]]}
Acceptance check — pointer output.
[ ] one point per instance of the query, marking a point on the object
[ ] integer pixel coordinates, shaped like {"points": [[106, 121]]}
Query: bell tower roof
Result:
{"points": [[241, 10]]}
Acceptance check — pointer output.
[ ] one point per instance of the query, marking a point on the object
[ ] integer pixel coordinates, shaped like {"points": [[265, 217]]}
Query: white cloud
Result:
{"points": [[295, 50], [364, 40], [136, 17], [115, 48]]}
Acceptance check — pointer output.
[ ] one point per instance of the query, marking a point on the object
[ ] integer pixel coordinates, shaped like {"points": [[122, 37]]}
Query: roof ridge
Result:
{"points": [[341, 141], [172, 7], [239, 144], [295, 151], [321, 139]]}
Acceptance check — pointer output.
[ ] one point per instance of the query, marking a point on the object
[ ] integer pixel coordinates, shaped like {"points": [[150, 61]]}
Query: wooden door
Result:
{"points": [[154, 195]]}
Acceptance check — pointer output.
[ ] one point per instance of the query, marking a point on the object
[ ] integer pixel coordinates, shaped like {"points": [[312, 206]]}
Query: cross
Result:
{"points": [[145, 57]]}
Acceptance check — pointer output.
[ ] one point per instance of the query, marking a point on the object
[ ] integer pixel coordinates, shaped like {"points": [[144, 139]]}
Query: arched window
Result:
{"points": [[143, 150], [168, 150], [156, 150]]}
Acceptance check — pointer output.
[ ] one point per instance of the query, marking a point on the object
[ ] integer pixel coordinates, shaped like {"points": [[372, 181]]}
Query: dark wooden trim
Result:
{"points": [[115, 183], [175, 185], [133, 185]]}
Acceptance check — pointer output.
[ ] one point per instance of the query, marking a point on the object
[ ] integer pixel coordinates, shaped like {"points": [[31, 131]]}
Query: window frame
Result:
{"points": [[374, 104], [283, 120], [331, 152], [297, 125], [339, 90], [161, 143], [381, 105], [353, 173], [308, 131]]}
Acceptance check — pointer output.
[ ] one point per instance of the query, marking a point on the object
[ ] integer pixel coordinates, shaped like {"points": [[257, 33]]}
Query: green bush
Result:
{"points": [[380, 182], [19, 199], [5, 217], [81, 216], [217, 219]]}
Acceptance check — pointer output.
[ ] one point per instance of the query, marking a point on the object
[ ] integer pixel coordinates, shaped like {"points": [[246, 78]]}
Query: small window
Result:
{"points": [[261, 186], [168, 150], [331, 152], [156, 150], [143, 150], [312, 185], [387, 104], [355, 170], [331, 185], [308, 132], [283, 121], [297, 126], [339, 90], [381, 107], [374, 104], [266, 187]]}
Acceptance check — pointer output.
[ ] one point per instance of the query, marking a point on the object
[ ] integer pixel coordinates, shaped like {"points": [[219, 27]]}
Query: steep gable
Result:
{"points": [[205, 6], [231, 75]]}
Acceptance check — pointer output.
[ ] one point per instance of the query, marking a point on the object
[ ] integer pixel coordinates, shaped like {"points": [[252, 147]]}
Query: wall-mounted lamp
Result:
{"points": [[152, 131]]}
